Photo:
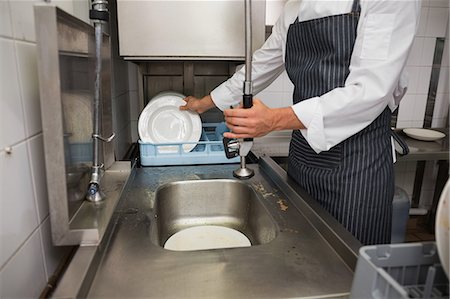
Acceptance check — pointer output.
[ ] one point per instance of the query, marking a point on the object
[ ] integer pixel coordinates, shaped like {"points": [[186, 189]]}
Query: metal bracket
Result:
{"points": [[107, 140]]}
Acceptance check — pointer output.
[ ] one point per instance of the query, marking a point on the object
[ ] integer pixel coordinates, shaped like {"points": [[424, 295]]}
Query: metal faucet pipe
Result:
{"points": [[99, 15], [245, 145], [248, 48]]}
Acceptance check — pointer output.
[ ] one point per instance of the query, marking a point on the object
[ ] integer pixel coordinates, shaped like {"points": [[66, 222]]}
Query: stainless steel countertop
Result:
{"points": [[299, 262]]}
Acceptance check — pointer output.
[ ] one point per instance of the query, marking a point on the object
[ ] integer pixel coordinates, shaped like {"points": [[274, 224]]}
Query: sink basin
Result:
{"points": [[226, 203]]}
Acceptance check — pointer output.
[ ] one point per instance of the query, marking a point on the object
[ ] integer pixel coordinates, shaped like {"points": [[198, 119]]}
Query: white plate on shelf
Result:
{"points": [[424, 134], [162, 121], [442, 228]]}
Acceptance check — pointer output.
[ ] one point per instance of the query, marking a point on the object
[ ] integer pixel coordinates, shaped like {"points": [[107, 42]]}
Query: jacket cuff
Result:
{"points": [[310, 114]]}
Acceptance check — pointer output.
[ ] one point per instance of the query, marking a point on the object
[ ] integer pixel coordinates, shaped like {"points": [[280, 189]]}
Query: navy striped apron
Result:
{"points": [[354, 180]]}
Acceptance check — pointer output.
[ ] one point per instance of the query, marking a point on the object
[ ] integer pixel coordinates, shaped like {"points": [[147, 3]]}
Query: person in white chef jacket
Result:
{"points": [[346, 59]]}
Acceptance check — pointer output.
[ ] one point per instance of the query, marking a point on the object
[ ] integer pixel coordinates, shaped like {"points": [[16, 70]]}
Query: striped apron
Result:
{"points": [[354, 180]]}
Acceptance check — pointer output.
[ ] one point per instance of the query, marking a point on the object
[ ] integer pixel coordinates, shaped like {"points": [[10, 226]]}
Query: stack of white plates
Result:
{"points": [[162, 121]]}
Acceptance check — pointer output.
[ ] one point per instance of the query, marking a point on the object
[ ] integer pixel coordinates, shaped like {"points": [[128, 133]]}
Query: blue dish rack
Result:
{"points": [[209, 150]]}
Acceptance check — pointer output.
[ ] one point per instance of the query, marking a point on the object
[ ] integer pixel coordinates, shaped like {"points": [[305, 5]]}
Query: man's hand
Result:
{"points": [[256, 121], [259, 120], [198, 105]]}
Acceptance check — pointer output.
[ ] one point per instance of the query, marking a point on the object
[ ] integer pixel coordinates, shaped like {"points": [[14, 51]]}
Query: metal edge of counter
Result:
{"points": [[80, 273], [335, 234]]}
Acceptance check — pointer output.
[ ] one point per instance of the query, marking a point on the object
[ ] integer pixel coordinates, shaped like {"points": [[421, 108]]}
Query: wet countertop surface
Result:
{"points": [[298, 262]]}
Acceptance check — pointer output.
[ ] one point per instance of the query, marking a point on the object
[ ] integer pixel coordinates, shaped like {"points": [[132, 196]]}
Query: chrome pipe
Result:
{"points": [[248, 45], [246, 144], [99, 15]]}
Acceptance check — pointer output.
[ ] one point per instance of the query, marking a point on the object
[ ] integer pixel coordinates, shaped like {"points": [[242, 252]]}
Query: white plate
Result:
{"points": [[168, 93], [162, 121], [442, 228], [424, 134], [206, 237]]}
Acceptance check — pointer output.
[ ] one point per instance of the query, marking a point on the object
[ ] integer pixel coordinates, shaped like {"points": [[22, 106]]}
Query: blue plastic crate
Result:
{"points": [[209, 150]]}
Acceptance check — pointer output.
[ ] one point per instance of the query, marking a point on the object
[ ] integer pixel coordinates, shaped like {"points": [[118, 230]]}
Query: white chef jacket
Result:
{"points": [[385, 34]]}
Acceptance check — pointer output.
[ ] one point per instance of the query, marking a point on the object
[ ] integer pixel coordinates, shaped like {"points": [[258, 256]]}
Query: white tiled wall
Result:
{"points": [[27, 256]]}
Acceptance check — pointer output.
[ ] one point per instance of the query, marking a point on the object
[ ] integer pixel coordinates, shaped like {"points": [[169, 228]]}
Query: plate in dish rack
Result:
{"points": [[162, 121], [424, 134]]}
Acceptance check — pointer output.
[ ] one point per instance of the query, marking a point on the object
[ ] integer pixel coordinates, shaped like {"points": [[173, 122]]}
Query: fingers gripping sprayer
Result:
{"points": [[234, 148]]}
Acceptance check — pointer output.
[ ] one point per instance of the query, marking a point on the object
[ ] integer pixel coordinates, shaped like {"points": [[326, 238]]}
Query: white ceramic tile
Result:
{"points": [[446, 52], [12, 128], [415, 54], [419, 109], [273, 10], [275, 86], [439, 3], [441, 105], [288, 86], [437, 22], [271, 99], [421, 30], [29, 85], [52, 254], [416, 124], [24, 276], [39, 177], [429, 45], [424, 80], [17, 205], [443, 84], [22, 14], [81, 10], [66, 5], [426, 3], [402, 124], [406, 109], [287, 98], [413, 79], [5, 19], [439, 123]]}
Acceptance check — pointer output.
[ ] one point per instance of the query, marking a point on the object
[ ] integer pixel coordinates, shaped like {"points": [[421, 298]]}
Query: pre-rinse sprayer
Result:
{"points": [[242, 147], [99, 15]]}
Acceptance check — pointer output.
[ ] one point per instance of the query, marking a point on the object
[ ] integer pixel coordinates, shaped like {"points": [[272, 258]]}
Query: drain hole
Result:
{"points": [[206, 237]]}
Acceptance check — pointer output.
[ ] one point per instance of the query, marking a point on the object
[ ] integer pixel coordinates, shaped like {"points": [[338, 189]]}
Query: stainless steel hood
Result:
{"points": [[187, 29]]}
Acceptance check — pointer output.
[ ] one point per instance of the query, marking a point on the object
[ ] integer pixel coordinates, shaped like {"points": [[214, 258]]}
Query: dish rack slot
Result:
{"points": [[209, 150]]}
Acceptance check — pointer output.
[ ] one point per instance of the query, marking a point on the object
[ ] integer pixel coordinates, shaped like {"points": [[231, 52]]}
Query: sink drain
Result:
{"points": [[206, 237]]}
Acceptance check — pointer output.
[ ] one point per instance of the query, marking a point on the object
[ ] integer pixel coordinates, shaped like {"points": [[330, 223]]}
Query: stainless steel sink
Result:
{"points": [[223, 202]]}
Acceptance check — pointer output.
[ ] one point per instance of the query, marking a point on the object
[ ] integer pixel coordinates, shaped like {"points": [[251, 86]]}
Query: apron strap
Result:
{"points": [[399, 140], [356, 8]]}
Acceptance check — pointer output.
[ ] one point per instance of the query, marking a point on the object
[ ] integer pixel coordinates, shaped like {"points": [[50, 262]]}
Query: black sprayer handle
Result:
{"points": [[247, 100], [229, 153]]}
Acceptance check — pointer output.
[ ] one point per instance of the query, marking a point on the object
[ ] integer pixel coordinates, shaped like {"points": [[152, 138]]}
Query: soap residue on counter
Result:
{"points": [[282, 204], [261, 190]]}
